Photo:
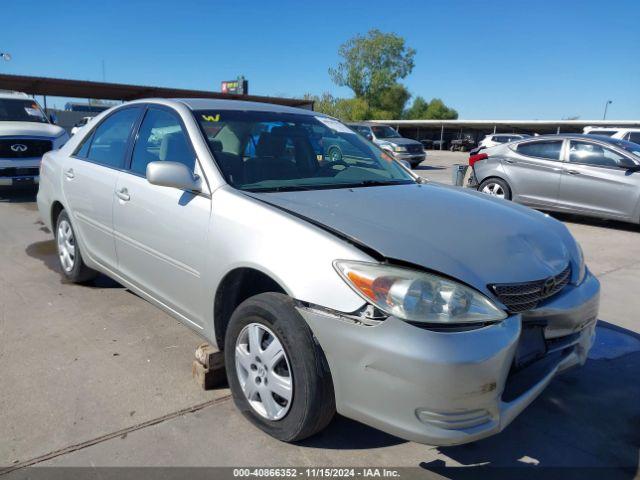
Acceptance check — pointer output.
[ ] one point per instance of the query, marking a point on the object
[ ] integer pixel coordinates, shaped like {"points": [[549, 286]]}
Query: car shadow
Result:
{"points": [[595, 222], [344, 433], [45, 251], [588, 419], [18, 194]]}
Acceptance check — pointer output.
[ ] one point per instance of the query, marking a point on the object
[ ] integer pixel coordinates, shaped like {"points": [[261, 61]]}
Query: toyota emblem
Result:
{"points": [[18, 147]]}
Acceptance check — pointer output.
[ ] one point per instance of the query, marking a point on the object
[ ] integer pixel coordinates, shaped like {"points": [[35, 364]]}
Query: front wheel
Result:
{"points": [[496, 187], [278, 375]]}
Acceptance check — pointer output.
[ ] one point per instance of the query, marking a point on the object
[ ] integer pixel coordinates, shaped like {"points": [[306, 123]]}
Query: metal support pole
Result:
{"points": [[494, 129], [558, 130], [441, 136]]}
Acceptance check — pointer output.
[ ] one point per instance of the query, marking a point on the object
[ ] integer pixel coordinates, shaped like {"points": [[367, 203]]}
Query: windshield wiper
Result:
{"points": [[378, 183], [281, 188]]}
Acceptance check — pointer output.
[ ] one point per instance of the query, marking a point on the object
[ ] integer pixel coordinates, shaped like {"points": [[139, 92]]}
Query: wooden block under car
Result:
{"points": [[208, 368], [210, 357]]}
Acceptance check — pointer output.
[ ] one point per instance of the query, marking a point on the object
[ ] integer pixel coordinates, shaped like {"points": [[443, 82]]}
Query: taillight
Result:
{"points": [[476, 158]]}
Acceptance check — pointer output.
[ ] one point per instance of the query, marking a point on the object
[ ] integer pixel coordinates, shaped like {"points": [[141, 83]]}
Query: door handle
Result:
{"points": [[123, 194], [70, 174], [572, 172], [510, 161]]}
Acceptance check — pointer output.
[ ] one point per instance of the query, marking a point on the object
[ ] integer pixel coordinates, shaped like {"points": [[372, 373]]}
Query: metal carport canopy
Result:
{"points": [[59, 87]]}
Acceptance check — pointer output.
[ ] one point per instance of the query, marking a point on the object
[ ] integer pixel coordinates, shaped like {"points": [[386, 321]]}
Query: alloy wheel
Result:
{"points": [[264, 372], [66, 245], [493, 189]]}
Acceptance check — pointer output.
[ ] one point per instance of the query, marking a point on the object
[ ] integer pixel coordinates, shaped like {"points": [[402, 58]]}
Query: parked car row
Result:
{"points": [[333, 283]]}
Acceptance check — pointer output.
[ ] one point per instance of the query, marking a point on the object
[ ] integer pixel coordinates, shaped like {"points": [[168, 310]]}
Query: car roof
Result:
{"points": [[13, 94], [220, 104]]}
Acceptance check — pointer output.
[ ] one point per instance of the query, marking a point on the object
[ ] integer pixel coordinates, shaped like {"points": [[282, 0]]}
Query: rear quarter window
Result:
{"points": [[549, 149]]}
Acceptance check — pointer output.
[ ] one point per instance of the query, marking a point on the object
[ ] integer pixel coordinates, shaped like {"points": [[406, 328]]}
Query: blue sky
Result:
{"points": [[488, 59]]}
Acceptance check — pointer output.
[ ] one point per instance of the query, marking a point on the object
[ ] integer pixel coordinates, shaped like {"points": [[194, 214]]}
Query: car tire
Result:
{"points": [[69, 254], [496, 187], [311, 403]]}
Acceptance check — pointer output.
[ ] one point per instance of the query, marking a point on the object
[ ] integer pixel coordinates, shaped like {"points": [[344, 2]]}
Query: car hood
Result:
{"points": [[30, 129], [399, 141], [466, 235]]}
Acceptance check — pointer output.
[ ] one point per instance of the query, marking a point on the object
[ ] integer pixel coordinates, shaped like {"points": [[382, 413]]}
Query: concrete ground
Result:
{"points": [[95, 376]]}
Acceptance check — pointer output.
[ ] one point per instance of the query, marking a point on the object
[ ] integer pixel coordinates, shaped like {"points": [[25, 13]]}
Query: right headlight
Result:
{"points": [[417, 296]]}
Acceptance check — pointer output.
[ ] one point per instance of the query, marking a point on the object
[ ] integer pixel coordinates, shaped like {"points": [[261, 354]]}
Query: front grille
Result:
{"points": [[414, 148], [23, 148], [520, 297], [19, 172]]}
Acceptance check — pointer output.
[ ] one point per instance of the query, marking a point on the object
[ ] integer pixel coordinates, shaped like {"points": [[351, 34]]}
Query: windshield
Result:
{"points": [[18, 110], [268, 151], [384, 131]]}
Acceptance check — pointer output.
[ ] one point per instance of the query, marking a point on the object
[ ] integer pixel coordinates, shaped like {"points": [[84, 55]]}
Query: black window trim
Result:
{"points": [[600, 144], [91, 134], [545, 140]]}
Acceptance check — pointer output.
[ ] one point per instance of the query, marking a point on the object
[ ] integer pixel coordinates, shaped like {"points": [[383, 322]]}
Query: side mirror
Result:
{"points": [[369, 137], [628, 164], [53, 118], [173, 175]]}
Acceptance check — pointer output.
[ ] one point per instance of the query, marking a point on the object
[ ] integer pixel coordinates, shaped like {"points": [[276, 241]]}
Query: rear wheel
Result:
{"points": [[496, 187], [278, 375], [69, 255]]}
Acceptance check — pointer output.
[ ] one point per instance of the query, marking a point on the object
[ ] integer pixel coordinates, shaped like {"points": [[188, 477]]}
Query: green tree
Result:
{"points": [[433, 110], [347, 109], [390, 102], [372, 63], [418, 109], [437, 110]]}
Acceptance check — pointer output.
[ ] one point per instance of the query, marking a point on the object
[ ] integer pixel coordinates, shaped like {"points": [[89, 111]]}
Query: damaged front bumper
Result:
{"points": [[446, 387]]}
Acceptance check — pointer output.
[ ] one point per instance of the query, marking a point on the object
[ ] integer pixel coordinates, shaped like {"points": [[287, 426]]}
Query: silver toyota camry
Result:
{"points": [[585, 174], [347, 285]]}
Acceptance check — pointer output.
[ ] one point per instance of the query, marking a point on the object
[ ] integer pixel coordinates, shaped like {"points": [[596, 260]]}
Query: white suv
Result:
{"points": [[25, 135], [628, 134], [500, 138]]}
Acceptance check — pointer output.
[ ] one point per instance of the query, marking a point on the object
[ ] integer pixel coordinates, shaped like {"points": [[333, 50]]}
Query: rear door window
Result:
{"points": [[111, 138], [547, 149]]}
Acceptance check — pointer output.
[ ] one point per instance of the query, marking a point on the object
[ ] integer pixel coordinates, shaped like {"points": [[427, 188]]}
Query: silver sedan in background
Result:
{"points": [[584, 174], [343, 285]]}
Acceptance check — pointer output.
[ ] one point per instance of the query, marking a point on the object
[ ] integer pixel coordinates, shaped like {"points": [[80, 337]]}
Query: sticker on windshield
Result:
{"points": [[34, 112], [334, 125], [211, 118]]}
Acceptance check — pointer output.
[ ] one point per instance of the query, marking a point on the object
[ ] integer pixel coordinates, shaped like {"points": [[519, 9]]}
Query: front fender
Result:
{"points": [[298, 255]]}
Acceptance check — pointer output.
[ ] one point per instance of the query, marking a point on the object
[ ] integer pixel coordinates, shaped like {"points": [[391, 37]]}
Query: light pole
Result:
{"points": [[606, 106]]}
